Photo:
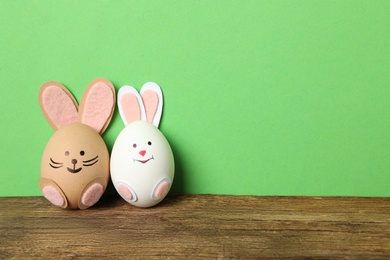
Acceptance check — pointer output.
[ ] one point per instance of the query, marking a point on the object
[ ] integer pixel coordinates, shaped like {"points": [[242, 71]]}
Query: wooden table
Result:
{"points": [[199, 226]]}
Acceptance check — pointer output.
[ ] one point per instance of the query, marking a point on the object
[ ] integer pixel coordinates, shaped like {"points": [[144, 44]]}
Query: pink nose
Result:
{"points": [[143, 152]]}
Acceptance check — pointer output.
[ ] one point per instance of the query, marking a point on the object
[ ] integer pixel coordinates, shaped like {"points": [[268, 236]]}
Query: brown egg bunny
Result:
{"points": [[75, 162]]}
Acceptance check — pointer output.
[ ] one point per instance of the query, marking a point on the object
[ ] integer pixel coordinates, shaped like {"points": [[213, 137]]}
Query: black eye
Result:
{"points": [[149, 143], [82, 153], [66, 153], [134, 145]]}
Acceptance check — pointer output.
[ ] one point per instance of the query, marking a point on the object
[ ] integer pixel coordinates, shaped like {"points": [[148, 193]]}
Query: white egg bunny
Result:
{"points": [[142, 164]]}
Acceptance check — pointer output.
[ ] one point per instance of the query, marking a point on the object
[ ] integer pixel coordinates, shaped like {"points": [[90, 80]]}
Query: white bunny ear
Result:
{"points": [[130, 105], [97, 105], [58, 104], [153, 101]]}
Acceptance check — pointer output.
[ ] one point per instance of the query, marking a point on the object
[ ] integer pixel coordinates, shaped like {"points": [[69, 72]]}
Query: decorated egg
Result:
{"points": [[75, 163], [142, 162]]}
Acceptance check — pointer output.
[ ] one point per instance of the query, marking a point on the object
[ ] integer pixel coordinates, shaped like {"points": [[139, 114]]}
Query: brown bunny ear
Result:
{"points": [[97, 105], [58, 104]]}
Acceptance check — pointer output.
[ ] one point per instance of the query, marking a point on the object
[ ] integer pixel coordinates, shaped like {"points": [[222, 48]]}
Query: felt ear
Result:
{"points": [[58, 104], [130, 105], [153, 101], [97, 105]]}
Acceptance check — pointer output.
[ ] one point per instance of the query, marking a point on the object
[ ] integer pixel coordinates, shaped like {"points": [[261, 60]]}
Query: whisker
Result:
{"points": [[87, 161], [55, 167], [54, 161], [90, 164]]}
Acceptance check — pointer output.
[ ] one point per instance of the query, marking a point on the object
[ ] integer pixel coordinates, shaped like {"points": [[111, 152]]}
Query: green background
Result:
{"points": [[261, 97]]}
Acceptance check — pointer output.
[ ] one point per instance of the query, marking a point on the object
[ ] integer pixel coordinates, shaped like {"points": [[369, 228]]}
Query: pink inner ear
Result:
{"points": [[150, 100], [130, 107], [98, 106], [59, 106]]}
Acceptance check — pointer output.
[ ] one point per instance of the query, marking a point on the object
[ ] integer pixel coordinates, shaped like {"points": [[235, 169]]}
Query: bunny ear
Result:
{"points": [[130, 105], [97, 104], [58, 104], [153, 102]]}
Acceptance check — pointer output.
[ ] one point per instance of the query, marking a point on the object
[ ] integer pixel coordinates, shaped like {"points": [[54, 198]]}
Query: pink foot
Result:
{"points": [[161, 190], [126, 192], [52, 195], [92, 194]]}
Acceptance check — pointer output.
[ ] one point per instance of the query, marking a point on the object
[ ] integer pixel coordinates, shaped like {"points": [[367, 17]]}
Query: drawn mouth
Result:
{"points": [[143, 161], [73, 170]]}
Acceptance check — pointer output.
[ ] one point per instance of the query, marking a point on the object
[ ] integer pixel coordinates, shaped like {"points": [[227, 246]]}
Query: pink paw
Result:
{"points": [[161, 190], [92, 195], [126, 192], [52, 195]]}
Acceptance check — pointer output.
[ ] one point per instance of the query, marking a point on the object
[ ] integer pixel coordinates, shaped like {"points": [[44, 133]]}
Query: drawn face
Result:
{"points": [[75, 150], [145, 150], [74, 162], [140, 149], [142, 152]]}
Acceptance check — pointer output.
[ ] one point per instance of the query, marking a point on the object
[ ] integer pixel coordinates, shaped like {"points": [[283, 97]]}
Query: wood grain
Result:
{"points": [[199, 226]]}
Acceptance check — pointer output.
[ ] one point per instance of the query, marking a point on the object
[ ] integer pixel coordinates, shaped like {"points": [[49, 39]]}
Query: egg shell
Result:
{"points": [[75, 142], [127, 153]]}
